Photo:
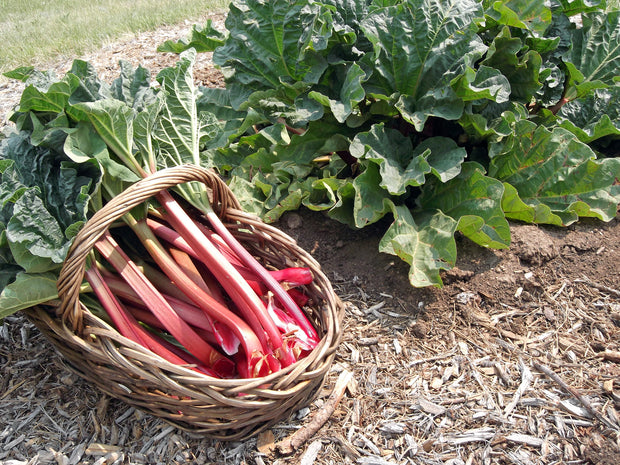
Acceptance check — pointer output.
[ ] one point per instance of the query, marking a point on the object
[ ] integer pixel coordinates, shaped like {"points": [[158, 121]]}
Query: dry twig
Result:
{"points": [[290, 444], [575, 393]]}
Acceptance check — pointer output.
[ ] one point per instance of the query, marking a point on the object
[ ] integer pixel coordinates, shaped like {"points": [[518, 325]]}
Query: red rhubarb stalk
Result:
{"points": [[128, 326], [272, 284], [174, 324], [254, 343], [246, 300], [194, 316]]}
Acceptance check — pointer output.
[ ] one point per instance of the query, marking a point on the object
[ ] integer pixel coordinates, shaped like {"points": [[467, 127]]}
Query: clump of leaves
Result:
{"points": [[449, 115]]}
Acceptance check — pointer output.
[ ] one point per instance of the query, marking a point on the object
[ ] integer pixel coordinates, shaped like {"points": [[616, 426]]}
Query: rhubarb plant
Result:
{"points": [[447, 116]]}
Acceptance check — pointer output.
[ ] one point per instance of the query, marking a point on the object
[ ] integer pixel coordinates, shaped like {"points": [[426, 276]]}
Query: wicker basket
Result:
{"points": [[220, 408]]}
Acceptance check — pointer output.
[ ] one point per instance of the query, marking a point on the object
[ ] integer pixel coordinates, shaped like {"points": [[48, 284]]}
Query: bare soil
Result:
{"points": [[516, 360]]}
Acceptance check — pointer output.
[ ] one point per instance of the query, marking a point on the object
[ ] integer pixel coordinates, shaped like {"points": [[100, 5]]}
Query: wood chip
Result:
{"points": [[526, 439], [98, 449], [430, 407], [611, 355], [265, 442], [311, 453]]}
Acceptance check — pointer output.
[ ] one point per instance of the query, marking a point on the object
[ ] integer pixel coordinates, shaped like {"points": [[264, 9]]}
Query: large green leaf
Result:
{"points": [[419, 48], [593, 60], [474, 200], [36, 239], [426, 243], [202, 39], [485, 83], [575, 7], [322, 137], [400, 164], [351, 93], [393, 152], [133, 86], [592, 117], [50, 97], [43, 203], [532, 15], [180, 131], [273, 42], [555, 169], [521, 69], [113, 121], [443, 155], [62, 185], [371, 201], [27, 290]]}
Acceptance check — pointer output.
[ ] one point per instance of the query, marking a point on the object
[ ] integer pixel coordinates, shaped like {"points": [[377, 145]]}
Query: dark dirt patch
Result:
{"points": [[539, 257]]}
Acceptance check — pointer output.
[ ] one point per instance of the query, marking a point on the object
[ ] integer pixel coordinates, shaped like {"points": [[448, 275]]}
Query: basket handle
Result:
{"points": [[74, 267]]}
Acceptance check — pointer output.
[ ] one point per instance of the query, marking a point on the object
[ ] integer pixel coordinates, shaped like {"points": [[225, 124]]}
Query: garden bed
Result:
{"points": [[515, 360]]}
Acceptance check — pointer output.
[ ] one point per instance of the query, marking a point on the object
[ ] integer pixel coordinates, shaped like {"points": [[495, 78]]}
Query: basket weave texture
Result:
{"points": [[229, 409]]}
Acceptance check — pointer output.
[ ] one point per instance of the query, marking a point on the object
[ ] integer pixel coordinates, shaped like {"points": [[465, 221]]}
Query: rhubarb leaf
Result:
{"points": [[418, 51], [426, 243], [371, 201], [474, 200], [593, 59], [271, 43], [399, 167], [593, 117], [27, 290], [556, 170], [44, 200], [202, 39], [532, 15], [522, 69]]}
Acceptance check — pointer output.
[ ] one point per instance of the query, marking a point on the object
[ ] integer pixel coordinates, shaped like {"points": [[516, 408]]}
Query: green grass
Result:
{"points": [[34, 32]]}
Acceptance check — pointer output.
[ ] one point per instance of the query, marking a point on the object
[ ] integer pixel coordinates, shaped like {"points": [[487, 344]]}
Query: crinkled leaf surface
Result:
{"points": [[44, 199], [594, 58], [574, 7], [351, 93], [133, 86], [426, 243], [485, 83], [474, 200], [595, 116], [444, 156], [180, 129], [393, 153], [532, 15], [419, 47], [273, 42], [555, 169], [521, 69]]}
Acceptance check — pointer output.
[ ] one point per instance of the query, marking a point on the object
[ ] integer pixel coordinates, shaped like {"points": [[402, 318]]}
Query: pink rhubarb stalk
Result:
{"points": [[128, 326], [254, 343], [174, 324], [272, 284], [246, 300]]}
